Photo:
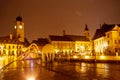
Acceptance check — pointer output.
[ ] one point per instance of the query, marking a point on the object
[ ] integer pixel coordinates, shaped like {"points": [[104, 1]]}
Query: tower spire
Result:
{"points": [[86, 32], [86, 28], [19, 18]]}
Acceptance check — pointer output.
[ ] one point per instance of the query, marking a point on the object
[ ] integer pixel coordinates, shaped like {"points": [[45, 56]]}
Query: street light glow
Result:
{"points": [[102, 57], [75, 57], [87, 57], [31, 78]]}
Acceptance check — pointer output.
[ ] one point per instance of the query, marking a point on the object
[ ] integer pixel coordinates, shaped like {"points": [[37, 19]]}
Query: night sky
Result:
{"points": [[48, 17]]}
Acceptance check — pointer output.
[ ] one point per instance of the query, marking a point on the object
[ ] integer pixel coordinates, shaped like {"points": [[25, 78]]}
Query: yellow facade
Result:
{"points": [[83, 47], [100, 45], [63, 46], [113, 38], [80, 47], [74, 44], [12, 45], [109, 43], [9, 49]]}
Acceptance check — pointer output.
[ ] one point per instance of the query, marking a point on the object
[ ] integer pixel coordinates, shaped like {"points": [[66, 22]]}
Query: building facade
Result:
{"points": [[107, 39], [10, 46], [62, 44], [14, 43], [71, 44]]}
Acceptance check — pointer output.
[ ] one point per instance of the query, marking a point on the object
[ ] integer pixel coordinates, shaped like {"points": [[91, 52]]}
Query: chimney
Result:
{"points": [[63, 32], [10, 36]]}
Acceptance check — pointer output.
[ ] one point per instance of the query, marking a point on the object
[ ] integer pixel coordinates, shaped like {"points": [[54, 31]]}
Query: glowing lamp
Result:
{"points": [[102, 57], [75, 56], [87, 57], [31, 78]]}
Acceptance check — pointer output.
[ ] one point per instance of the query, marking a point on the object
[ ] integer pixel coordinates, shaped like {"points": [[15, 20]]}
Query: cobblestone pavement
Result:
{"points": [[23, 70]]}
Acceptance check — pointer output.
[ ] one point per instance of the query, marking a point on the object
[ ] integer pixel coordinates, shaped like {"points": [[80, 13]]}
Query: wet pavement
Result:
{"points": [[34, 69]]}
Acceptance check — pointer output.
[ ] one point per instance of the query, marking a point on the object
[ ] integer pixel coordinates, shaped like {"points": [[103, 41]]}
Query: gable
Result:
{"points": [[105, 28], [116, 28]]}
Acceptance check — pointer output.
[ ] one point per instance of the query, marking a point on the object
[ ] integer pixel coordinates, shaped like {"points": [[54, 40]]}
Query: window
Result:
{"points": [[9, 47], [5, 46], [12, 52], [118, 41], [19, 47], [116, 49], [108, 42]]}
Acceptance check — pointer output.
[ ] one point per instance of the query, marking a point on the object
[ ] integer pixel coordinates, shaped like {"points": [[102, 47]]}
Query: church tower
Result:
{"points": [[86, 32], [19, 29]]}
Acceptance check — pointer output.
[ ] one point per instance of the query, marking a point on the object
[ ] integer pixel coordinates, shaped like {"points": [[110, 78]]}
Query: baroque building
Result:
{"points": [[62, 44], [107, 39], [68, 44], [13, 44]]}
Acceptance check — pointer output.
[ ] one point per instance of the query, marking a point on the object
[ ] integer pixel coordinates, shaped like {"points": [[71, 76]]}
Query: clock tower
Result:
{"points": [[19, 29]]}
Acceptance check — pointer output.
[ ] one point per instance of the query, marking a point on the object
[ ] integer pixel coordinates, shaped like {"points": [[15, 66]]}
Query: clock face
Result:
{"points": [[15, 27], [20, 26]]}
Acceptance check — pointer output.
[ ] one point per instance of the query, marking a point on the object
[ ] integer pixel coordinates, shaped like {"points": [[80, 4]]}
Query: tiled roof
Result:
{"points": [[69, 38], [6, 39], [41, 41], [78, 38], [104, 28], [14, 40], [59, 38], [26, 42]]}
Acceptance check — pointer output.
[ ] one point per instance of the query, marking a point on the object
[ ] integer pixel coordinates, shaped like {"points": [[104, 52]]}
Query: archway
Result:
{"points": [[48, 53]]}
